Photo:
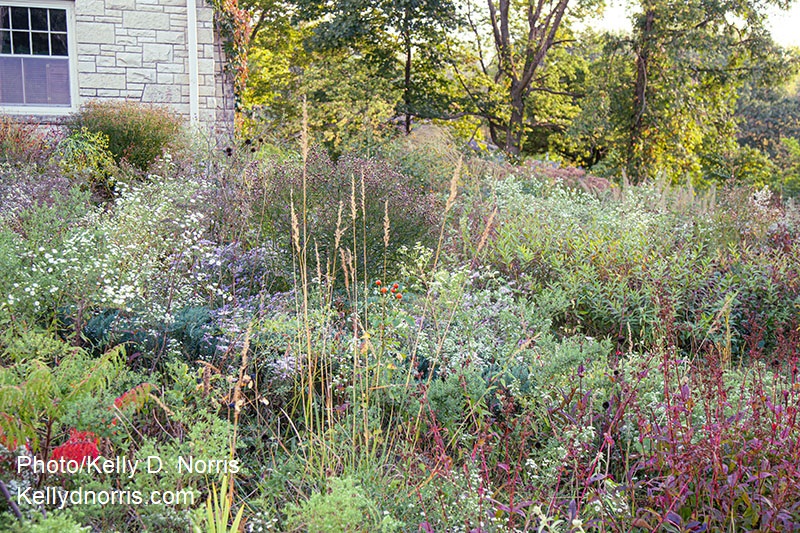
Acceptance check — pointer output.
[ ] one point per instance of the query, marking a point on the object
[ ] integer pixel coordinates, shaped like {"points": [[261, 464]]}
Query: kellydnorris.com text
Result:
{"points": [[58, 497]]}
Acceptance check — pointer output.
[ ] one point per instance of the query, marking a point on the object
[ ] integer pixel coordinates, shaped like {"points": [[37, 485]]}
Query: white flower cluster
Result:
{"points": [[117, 259]]}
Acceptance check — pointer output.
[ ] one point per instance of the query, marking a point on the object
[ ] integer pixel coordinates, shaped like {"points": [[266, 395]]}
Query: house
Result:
{"points": [[57, 54]]}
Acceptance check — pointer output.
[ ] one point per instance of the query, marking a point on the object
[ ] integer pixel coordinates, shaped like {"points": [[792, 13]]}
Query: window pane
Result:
{"points": [[41, 44], [5, 21], [11, 80], [22, 42], [46, 81], [58, 20], [5, 42], [19, 18], [58, 82], [59, 43], [35, 78], [38, 19]]}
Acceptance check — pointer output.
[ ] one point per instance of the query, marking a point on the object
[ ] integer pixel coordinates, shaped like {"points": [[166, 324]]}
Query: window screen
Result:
{"points": [[34, 56]]}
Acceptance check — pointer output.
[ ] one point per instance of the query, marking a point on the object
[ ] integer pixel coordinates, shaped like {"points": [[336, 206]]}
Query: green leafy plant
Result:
{"points": [[60, 522], [344, 508], [85, 156]]}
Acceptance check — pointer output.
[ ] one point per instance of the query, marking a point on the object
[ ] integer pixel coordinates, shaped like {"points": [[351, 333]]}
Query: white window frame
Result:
{"points": [[72, 59]]}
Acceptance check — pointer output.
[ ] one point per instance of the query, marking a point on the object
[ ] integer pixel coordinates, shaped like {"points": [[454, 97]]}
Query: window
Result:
{"points": [[34, 56]]}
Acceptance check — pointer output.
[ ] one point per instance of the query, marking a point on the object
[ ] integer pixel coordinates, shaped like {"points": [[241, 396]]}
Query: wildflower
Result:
{"points": [[384, 290], [399, 296], [378, 283]]}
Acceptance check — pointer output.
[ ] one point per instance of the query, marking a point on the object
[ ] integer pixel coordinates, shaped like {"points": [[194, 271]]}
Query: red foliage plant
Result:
{"points": [[84, 444], [80, 446]]}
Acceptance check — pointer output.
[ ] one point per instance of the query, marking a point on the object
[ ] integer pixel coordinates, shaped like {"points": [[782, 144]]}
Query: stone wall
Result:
{"points": [[139, 50]]}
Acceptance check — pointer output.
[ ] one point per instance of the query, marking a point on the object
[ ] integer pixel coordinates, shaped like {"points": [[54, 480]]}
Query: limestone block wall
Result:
{"points": [[139, 50]]}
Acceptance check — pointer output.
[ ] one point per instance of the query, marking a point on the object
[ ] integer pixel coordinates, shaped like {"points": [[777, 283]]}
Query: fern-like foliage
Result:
{"points": [[40, 378]]}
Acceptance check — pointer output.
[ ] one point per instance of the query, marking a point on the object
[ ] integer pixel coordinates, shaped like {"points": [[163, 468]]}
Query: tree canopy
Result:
{"points": [[675, 95]]}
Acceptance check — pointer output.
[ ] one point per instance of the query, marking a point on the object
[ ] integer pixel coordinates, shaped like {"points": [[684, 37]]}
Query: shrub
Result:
{"points": [[137, 133], [41, 380], [21, 142]]}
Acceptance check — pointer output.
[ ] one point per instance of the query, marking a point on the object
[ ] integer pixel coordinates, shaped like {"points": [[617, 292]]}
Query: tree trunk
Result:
{"points": [[407, 85], [635, 148], [516, 123]]}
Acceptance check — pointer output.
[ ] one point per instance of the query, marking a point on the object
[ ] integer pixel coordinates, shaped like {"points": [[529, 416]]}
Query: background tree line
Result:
{"points": [[697, 90]]}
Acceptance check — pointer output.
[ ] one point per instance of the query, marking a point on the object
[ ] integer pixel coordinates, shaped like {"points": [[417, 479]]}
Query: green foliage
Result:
{"points": [[739, 164], [617, 260], [341, 116], [136, 133], [503, 87], [451, 397], [218, 511], [664, 99], [84, 156], [401, 39], [370, 186], [345, 507], [554, 342], [789, 165], [63, 252], [40, 380], [61, 522], [769, 111]]}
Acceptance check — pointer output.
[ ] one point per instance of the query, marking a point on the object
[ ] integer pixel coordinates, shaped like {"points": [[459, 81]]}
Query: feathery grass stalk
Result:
{"points": [[449, 203], [300, 241], [386, 233]]}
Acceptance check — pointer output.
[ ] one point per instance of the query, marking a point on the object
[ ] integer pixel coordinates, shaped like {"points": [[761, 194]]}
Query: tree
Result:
{"points": [[500, 74], [689, 58], [769, 111], [402, 38]]}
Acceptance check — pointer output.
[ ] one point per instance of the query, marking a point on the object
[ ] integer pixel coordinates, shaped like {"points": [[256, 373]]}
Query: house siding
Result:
{"points": [[139, 50]]}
